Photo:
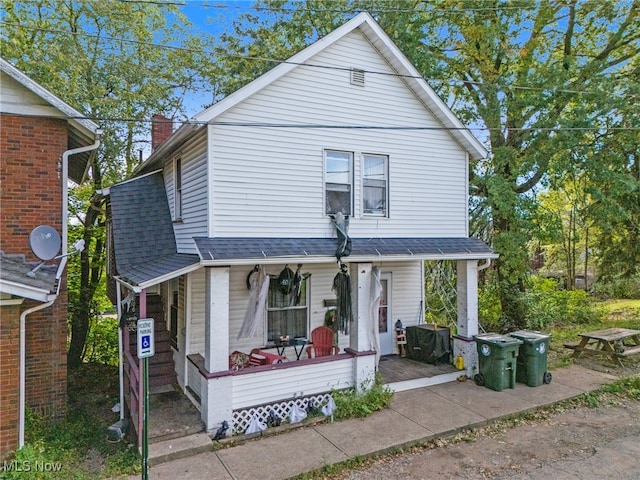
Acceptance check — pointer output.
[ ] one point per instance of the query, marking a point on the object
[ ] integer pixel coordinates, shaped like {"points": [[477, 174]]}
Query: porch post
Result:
{"points": [[360, 335], [467, 325], [216, 404]]}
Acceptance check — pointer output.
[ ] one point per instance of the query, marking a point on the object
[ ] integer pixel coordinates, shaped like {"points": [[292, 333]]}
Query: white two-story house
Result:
{"points": [[345, 128]]}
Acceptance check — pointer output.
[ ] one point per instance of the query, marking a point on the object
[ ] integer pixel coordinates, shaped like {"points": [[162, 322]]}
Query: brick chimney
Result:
{"points": [[161, 129]]}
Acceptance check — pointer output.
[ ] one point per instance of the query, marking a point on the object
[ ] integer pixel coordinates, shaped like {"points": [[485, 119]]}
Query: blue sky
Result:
{"points": [[215, 16]]}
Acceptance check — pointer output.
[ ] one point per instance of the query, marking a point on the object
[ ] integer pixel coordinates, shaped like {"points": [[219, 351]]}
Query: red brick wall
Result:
{"points": [[9, 376], [31, 195], [30, 187]]}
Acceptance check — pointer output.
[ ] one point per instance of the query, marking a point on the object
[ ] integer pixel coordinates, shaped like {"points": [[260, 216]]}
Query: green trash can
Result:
{"points": [[532, 357], [497, 356]]}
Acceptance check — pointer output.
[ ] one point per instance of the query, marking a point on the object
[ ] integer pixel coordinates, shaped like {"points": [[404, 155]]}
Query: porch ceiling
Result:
{"points": [[219, 251]]}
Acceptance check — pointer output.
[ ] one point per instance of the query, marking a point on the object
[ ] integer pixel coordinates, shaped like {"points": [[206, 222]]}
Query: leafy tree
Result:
{"points": [[100, 57], [537, 76]]}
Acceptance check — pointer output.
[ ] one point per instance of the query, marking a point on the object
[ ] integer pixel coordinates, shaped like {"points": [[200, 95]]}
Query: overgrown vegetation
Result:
{"points": [[546, 305], [76, 447], [352, 403]]}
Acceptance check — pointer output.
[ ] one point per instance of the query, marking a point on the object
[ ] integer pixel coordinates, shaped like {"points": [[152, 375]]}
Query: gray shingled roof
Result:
{"points": [[14, 269], [213, 249], [144, 243]]}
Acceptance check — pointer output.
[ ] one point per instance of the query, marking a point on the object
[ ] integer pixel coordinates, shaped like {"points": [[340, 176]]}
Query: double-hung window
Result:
{"points": [[338, 175], [375, 185], [287, 313]]}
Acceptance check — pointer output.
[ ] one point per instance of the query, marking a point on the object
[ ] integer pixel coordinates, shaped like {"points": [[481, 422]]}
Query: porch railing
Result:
{"points": [[133, 386]]}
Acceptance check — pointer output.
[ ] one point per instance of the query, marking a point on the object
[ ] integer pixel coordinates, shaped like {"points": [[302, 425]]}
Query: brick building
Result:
{"points": [[43, 142]]}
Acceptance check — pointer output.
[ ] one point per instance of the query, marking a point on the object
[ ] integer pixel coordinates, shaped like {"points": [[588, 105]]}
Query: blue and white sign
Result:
{"points": [[146, 342]]}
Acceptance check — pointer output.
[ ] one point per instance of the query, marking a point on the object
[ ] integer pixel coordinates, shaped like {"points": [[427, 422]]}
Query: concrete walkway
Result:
{"points": [[414, 416]]}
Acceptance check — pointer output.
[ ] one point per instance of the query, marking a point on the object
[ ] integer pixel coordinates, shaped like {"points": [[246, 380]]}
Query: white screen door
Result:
{"points": [[385, 316]]}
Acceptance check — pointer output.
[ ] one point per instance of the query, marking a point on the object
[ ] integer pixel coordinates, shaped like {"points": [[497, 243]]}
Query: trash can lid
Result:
{"points": [[530, 336], [497, 339]]}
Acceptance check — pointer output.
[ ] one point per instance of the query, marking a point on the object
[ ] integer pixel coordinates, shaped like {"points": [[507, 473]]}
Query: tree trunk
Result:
{"points": [[91, 265]]}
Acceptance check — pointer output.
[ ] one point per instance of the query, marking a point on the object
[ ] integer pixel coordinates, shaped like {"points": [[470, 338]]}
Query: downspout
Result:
{"points": [[65, 187], [23, 362], [486, 264], [120, 349]]}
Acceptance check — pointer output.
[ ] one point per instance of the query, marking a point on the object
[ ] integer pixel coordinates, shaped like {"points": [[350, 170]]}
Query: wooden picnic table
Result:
{"points": [[615, 342]]}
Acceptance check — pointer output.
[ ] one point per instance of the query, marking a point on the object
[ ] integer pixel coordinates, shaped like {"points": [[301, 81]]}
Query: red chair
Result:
{"points": [[322, 340]]}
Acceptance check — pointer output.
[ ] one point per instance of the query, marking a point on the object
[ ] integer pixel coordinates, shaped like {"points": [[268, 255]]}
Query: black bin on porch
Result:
{"points": [[428, 343]]}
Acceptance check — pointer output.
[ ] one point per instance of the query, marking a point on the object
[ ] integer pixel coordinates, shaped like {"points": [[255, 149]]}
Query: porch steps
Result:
{"points": [[161, 366], [181, 447]]}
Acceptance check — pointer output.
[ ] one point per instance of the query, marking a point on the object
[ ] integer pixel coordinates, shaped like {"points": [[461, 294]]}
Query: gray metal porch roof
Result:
{"points": [[270, 250]]}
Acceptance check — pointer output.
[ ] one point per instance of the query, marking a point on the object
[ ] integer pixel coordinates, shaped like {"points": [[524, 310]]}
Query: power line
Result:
{"points": [[310, 65], [351, 127], [355, 9]]}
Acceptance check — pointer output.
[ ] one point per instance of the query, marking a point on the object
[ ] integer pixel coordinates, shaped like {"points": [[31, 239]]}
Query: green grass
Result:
{"points": [[78, 443], [615, 313]]}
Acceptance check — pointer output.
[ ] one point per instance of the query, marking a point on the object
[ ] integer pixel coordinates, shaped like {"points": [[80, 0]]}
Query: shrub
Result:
{"points": [[489, 310], [619, 288], [350, 403], [102, 341], [548, 304]]}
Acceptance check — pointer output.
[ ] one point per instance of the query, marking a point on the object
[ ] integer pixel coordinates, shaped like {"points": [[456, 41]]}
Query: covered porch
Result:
{"points": [[203, 312]]}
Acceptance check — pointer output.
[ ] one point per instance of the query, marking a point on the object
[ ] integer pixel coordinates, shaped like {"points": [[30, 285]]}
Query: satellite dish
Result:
{"points": [[45, 242]]}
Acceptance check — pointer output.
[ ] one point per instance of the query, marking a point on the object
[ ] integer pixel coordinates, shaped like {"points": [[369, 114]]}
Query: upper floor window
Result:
{"points": [[375, 184], [177, 188], [338, 174]]}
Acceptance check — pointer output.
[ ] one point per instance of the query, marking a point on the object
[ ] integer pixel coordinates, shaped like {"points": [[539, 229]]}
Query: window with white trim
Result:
{"points": [[177, 188], [287, 311], [375, 185], [338, 177]]}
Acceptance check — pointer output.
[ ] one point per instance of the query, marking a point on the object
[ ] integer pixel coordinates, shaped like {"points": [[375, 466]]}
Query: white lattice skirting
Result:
{"points": [[242, 418]]}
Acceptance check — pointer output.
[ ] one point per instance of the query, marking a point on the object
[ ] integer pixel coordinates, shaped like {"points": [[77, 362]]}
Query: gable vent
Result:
{"points": [[357, 77]]}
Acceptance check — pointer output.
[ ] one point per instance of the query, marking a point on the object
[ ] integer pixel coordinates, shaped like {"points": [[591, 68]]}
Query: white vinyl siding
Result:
{"points": [[198, 303], [406, 300], [270, 181], [270, 386], [193, 218], [15, 98]]}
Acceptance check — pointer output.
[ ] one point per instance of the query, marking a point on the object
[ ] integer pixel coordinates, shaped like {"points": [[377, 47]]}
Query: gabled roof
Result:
{"points": [[240, 250], [391, 53], [387, 48], [82, 132], [144, 242]]}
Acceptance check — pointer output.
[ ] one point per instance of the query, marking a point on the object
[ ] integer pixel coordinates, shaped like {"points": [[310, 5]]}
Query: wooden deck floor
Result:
{"points": [[172, 415], [396, 369]]}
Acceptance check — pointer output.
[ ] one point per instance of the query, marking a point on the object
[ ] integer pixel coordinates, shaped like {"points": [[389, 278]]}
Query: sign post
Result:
{"points": [[146, 349]]}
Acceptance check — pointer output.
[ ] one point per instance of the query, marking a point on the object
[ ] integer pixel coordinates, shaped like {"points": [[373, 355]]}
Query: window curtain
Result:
{"points": [[255, 312]]}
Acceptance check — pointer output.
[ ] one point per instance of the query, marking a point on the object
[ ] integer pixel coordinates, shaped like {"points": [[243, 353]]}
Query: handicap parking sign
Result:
{"points": [[145, 338]]}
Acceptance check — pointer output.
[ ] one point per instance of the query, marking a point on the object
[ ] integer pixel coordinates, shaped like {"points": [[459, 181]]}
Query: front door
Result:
{"points": [[385, 316]]}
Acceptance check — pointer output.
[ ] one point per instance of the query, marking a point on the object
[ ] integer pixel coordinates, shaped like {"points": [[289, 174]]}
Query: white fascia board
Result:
{"points": [[157, 280], [26, 291], [399, 62], [184, 132], [275, 73], [350, 259], [392, 54], [75, 117]]}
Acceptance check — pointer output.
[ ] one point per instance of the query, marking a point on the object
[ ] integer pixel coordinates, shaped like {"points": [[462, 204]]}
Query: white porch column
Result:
{"points": [[360, 334], [216, 403], [467, 325]]}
